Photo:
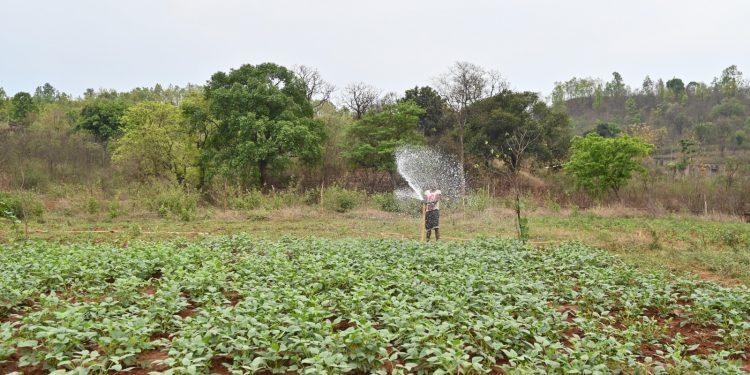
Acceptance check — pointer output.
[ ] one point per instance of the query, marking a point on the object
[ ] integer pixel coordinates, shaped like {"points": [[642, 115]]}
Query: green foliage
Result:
{"points": [[606, 130], [374, 138], [345, 306], [155, 144], [341, 200], [740, 137], [20, 206], [676, 86], [102, 118], [174, 201], [21, 106], [92, 206], [432, 122], [386, 202], [263, 118], [600, 164], [512, 126]]}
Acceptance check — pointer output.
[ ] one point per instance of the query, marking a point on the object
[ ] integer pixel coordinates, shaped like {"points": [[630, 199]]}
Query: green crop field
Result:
{"points": [[236, 304]]}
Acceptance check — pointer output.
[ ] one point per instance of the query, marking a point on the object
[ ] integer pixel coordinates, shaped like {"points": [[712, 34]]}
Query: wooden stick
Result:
{"points": [[423, 230]]}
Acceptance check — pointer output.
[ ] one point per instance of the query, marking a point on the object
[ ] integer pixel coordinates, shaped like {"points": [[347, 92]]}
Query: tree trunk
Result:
{"points": [[461, 127]]}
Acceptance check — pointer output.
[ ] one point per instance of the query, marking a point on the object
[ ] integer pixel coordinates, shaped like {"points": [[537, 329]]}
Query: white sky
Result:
{"points": [[393, 45]]}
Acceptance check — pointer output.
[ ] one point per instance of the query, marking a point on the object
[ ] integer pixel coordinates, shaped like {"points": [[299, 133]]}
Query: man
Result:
{"points": [[432, 219]]}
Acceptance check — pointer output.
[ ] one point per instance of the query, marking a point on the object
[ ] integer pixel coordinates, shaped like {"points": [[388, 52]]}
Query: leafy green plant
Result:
{"points": [[341, 200]]}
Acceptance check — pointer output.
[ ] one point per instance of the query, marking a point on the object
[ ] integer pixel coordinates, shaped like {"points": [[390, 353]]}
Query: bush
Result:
{"points": [[92, 206], [20, 206], [386, 202], [176, 202], [341, 200], [249, 201]]}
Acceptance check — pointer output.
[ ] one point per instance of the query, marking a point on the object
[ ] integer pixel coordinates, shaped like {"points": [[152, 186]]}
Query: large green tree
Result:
{"points": [[374, 138], [102, 118], [263, 118], [513, 126], [155, 143], [605, 164]]}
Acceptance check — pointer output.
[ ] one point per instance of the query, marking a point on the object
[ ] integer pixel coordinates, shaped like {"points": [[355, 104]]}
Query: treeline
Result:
{"points": [[268, 127], [711, 117]]}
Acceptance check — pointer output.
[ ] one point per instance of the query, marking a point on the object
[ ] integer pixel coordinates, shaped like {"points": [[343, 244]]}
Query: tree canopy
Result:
{"points": [[154, 143], [375, 137], [512, 126], [102, 118], [263, 118]]}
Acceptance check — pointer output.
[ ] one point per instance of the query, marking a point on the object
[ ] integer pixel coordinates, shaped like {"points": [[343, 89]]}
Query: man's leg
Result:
{"points": [[428, 234], [437, 234]]}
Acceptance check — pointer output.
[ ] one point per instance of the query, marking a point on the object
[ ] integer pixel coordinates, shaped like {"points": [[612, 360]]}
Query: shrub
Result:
{"points": [[340, 200], [176, 202], [248, 201], [386, 202], [20, 206], [92, 206]]}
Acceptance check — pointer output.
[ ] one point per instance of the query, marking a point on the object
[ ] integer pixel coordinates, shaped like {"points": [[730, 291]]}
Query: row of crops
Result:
{"points": [[240, 305]]}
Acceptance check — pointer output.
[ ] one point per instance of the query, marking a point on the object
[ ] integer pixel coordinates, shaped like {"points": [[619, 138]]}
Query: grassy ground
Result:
{"points": [[716, 248]]}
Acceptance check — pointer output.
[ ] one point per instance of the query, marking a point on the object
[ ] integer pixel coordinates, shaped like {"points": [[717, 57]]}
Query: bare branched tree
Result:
{"points": [[318, 90], [360, 98], [463, 85]]}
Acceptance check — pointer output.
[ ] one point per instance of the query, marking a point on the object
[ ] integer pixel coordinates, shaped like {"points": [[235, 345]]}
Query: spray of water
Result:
{"points": [[422, 167]]}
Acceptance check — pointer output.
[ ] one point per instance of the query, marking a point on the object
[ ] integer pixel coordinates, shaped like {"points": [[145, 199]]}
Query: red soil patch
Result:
{"points": [[217, 365], [234, 298], [150, 290], [186, 312], [342, 325], [158, 336], [156, 274], [146, 359]]}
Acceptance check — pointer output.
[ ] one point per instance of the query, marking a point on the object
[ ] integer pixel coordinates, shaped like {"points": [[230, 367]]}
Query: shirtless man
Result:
{"points": [[432, 203]]}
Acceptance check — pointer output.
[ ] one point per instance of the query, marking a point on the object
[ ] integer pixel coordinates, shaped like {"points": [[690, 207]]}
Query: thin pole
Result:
{"points": [[423, 230]]}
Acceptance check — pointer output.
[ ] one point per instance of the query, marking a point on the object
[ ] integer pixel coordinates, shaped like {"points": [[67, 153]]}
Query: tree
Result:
{"points": [[606, 130], [616, 87], [432, 122], [318, 91], [21, 107], [46, 93], [375, 137], [631, 109], [600, 164], [727, 115], [648, 86], [462, 86], [360, 98], [263, 118], [155, 143], [102, 118], [201, 126], [730, 81], [513, 126], [3, 105], [676, 87]]}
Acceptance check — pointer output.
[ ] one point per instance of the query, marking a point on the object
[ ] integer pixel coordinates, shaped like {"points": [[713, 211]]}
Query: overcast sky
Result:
{"points": [[393, 45]]}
